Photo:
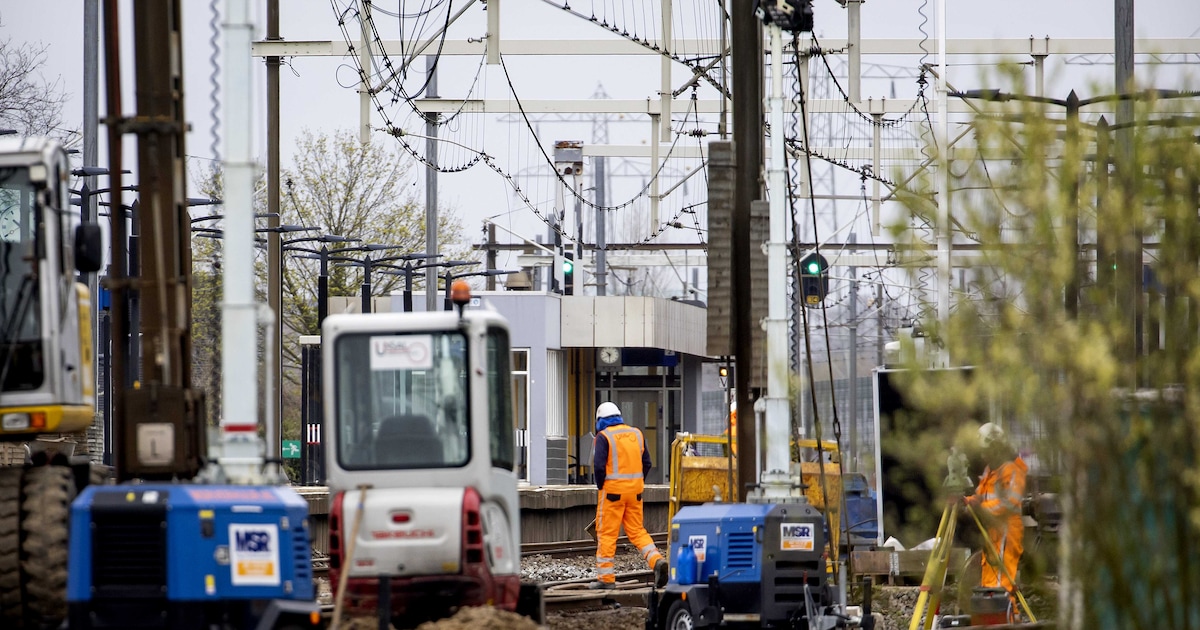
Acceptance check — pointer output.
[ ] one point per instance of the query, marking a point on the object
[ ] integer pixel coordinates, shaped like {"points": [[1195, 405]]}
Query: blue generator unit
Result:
{"points": [[752, 564], [181, 556]]}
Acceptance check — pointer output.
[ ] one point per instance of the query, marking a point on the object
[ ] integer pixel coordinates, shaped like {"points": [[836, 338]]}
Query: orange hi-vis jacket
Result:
{"points": [[621, 463], [732, 430], [623, 472], [999, 493]]}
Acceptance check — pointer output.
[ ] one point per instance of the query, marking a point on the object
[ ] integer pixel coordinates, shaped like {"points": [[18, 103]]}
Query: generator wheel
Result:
{"points": [[679, 616], [11, 598], [48, 493]]}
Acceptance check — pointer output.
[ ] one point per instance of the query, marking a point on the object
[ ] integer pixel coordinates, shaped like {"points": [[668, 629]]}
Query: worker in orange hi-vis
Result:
{"points": [[997, 502], [622, 462], [731, 430]]}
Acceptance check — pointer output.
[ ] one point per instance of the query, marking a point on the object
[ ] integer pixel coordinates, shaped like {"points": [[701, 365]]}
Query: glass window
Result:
{"points": [[402, 401], [500, 404], [20, 310], [520, 360], [520, 379]]}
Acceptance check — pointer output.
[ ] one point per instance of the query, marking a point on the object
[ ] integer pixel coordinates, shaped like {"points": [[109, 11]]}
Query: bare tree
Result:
{"points": [[357, 190], [29, 102]]}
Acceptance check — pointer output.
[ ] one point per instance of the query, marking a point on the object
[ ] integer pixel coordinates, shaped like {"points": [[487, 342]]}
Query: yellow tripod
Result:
{"points": [[934, 579]]}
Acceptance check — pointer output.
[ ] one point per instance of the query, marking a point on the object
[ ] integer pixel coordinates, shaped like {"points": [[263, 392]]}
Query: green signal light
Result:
{"points": [[814, 268], [568, 266]]}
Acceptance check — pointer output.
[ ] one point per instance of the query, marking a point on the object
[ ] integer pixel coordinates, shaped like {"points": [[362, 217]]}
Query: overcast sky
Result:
{"points": [[315, 95]]}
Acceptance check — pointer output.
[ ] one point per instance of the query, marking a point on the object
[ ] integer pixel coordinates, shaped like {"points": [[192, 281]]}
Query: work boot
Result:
{"points": [[661, 573], [602, 586]]}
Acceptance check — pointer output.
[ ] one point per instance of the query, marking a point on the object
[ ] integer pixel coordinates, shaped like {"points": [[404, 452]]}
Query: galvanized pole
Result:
{"points": [[274, 238], [241, 453], [1129, 259], [775, 475], [491, 255], [601, 179], [91, 133], [854, 71], [431, 210], [942, 136], [364, 62], [852, 355]]}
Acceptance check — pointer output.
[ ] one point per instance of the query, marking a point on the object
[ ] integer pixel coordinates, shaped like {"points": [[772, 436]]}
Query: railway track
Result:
{"points": [[565, 548], [561, 595], [632, 589], [559, 549]]}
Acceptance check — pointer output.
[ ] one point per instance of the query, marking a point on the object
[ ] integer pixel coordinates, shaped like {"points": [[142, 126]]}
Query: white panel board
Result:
{"points": [[635, 321], [578, 321], [610, 321]]}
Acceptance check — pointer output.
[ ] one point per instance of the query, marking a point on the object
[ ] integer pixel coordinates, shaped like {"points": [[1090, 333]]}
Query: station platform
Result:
{"points": [[548, 513]]}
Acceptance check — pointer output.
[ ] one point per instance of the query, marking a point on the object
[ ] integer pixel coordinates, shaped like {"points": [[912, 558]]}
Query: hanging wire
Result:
{"points": [[393, 78], [214, 94]]}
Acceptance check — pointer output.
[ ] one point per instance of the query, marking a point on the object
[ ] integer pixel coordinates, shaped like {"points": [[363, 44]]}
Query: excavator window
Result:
{"points": [[21, 362], [501, 429], [402, 401]]}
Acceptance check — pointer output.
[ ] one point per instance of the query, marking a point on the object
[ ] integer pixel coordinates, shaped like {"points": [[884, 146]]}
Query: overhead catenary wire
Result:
{"points": [[477, 155]]}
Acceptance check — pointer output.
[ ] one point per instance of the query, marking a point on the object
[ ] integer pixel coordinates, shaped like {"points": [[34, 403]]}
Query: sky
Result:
{"points": [[318, 94]]}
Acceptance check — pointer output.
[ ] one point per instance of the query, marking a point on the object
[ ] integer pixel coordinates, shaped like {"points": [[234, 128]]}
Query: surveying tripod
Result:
{"points": [[930, 598]]}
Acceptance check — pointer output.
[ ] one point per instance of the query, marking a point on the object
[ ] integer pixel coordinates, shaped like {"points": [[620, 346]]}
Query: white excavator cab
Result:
{"points": [[47, 377], [420, 457]]}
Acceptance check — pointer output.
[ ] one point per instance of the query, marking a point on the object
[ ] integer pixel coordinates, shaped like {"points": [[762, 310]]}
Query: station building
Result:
{"points": [[572, 352]]}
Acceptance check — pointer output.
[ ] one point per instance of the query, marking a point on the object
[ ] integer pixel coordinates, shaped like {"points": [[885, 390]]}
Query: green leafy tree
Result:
{"points": [[1048, 325], [206, 323]]}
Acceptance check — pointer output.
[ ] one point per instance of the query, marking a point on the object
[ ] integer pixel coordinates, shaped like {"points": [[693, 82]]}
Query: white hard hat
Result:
{"points": [[733, 406], [607, 410], [991, 434]]}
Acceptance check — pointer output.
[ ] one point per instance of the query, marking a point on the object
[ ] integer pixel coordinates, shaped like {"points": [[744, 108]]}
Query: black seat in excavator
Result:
{"points": [[408, 441]]}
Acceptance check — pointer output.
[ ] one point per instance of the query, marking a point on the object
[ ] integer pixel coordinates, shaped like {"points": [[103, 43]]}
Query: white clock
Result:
{"points": [[610, 356]]}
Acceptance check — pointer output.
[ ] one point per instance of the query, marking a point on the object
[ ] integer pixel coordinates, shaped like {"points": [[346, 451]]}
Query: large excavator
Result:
{"points": [[46, 371]]}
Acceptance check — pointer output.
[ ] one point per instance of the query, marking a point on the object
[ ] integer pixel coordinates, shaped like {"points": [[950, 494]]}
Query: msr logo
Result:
{"points": [[796, 537], [254, 541], [797, 531]]}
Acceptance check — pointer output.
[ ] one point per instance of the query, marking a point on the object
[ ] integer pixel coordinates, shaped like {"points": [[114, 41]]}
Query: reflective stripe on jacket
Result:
{"points": [[1000, 491], [623, 470]]}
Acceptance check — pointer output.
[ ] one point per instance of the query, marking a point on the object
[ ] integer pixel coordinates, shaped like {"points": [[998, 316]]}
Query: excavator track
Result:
{"points": [[45, 508], [12, 608]]}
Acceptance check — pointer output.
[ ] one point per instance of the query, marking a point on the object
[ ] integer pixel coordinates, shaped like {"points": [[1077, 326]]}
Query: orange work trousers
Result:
{"points": [[613, 511], [1008, 541]]}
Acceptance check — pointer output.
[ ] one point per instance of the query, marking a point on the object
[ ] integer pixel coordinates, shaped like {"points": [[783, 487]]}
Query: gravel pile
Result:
{"points": [[895, 604]]}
